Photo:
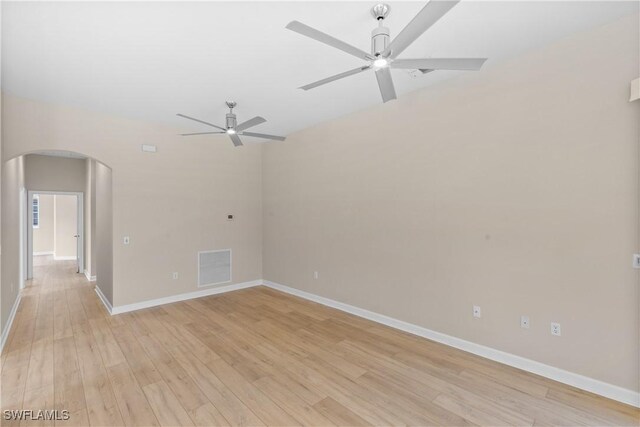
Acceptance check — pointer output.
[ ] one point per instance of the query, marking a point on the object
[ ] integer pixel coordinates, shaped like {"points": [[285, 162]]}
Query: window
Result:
{"points": [[36, 211]]}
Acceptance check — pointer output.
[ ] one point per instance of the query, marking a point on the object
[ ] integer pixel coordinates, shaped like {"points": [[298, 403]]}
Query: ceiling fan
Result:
{"points": [[233, 129], [384, 54]]}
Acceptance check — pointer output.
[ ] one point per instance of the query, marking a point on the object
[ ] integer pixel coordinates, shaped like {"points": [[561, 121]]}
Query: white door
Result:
{"points": [[66, 227]]}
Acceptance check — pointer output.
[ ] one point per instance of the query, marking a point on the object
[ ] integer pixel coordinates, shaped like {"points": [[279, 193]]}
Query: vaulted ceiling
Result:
{"points": [[151, 60]]}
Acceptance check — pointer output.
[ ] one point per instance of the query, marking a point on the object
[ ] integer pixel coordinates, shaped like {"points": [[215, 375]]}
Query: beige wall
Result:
{"points": [[90, 218], [43, 236], [515, 188], [12, 182], [104, 230], [48, 173], [2, 315], [65, 226], [172, 204]]}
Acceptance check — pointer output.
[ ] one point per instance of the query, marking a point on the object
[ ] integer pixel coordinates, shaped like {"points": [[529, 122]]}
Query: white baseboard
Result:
{"points": [[576, 380], [43, 253], [64, 258], [104, 300], [89, 278], [12, 316], [182, 297]]}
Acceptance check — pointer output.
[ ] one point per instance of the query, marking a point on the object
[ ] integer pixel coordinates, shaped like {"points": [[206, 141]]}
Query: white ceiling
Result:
{"points": [[151, 60]]}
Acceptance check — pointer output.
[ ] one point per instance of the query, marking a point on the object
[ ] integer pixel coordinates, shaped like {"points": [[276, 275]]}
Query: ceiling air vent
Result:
{"points": [[214, 267]]}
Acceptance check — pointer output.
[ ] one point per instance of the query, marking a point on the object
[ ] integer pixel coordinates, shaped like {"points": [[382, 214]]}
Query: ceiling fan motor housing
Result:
{"points": [[231, 121], [379, 40]]}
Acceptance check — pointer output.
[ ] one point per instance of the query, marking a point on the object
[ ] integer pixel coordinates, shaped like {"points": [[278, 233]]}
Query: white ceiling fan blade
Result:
{"points": [[386, 84], [336, 77], [250, 123], [264, 135], [235, 139], [429, 15], [200, 133], [200, 121], [306, 30], [440, 63]]}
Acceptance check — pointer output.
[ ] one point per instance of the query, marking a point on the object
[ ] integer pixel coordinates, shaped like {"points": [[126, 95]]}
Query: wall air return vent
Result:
{"points": [[214, 267]]}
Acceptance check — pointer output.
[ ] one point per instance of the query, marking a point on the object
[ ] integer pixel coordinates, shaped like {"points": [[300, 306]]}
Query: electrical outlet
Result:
{"points": [[477, 312], [126, 240], [315, 274], [524, 322], [175, 275], [636, 260], [555, 329]]}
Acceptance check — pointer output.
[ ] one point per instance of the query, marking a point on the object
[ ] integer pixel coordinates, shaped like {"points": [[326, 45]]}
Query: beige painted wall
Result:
{"points": [[43, 236], [65, 226], [515, 188], [12, 182], [49, 173], [104, 230], [2, 285], [90, 217], [172, 204]]}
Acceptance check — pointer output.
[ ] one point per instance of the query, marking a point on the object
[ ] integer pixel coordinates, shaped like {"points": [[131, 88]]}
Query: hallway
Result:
{"points": [[40, 364]]}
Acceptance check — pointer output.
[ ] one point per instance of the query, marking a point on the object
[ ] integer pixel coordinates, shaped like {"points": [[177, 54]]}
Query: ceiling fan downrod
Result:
{"points": [[380, 37]]}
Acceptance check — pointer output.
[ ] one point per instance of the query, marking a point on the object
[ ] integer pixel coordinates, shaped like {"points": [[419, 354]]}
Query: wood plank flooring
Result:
{"points": [[258, 357]]}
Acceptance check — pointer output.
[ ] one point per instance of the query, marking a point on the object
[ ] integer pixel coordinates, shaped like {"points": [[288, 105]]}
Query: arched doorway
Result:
{"points": [[82, 233]]}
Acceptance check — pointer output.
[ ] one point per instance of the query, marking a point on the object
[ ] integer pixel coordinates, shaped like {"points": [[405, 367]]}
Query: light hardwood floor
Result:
{"points": [[259, 357]]}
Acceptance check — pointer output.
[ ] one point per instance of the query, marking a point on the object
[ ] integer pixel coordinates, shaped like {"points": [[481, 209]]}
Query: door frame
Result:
{"points": [[23, 234], [80, 227]]}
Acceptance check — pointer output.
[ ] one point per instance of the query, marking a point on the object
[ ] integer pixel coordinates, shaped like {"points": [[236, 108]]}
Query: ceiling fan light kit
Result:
{"points": [[384, 51]]}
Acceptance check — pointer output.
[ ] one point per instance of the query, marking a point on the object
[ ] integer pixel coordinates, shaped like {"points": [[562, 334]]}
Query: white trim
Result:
{"points": [[206, 285], [64, 258], [23, 236], [43, 253], [12, 316], [611, 391], [104, 300], [182, 297], [89, 278]]}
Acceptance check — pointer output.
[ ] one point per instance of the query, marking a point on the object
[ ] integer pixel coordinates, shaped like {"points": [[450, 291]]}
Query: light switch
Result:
{"points": [[125, 240]]}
